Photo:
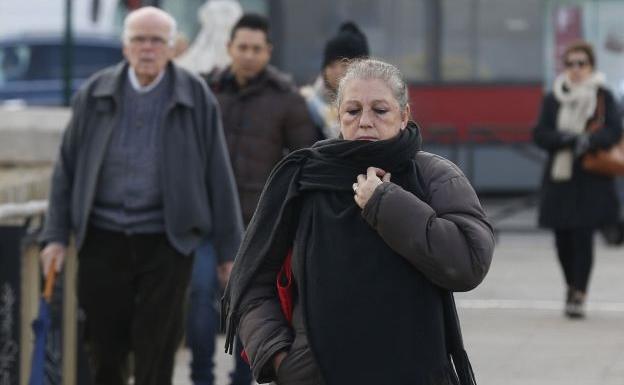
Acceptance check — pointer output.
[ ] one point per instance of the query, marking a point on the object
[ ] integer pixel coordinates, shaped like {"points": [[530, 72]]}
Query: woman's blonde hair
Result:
{"points": [[375, 69]]}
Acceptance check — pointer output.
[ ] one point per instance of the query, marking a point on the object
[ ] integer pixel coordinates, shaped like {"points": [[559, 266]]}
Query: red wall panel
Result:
{"points": [[465, 106]]}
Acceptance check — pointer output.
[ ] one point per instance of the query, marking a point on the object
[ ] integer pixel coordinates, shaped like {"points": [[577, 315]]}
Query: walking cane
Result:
{"points": [[40, 327]]}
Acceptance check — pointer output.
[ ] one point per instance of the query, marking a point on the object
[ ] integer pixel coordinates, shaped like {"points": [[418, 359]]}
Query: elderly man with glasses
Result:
{"points": [[142, 176]]}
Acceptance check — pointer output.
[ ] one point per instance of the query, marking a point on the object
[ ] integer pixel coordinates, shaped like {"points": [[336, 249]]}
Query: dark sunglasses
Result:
{"points": [[576, 63]]}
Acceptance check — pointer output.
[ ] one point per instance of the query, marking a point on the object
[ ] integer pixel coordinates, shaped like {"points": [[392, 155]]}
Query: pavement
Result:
{"points": [[514, 328], [513, 324]]}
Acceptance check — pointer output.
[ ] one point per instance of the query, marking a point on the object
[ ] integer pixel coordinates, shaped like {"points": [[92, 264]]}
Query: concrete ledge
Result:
{"points": [[31, 135], [22, 184]]}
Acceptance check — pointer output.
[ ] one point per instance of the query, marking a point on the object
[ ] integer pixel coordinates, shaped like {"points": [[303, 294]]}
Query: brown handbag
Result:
{"points": [[606, 162], [609, 162]]}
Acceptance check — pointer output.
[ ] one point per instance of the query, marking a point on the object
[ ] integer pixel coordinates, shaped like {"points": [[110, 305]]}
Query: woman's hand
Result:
{"points": [[366, 184], [581, 145], [277, 360]]}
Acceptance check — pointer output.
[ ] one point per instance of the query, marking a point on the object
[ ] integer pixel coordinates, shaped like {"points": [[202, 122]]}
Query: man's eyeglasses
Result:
{"points": [[153, 40], [576, 63]]}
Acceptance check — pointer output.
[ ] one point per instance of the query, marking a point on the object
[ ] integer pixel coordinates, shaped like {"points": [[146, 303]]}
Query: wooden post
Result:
{"points": [[70, 319], [29, 304]]}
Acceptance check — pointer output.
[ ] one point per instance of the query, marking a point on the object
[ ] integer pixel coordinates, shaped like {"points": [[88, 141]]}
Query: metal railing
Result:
{"points": [[462, 148], [30, 215], [22, 210]]}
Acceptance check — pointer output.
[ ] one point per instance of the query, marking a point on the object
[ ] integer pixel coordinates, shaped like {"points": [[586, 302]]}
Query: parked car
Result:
{"points": [[31, 66]]}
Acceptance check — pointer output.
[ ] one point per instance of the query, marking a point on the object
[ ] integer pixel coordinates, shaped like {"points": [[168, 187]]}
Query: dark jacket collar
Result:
{"points": [[270, 76], [111, 81]]}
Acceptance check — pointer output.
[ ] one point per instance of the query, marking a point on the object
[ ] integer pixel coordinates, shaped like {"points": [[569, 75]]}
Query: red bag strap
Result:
{"points": [[285, 286], [284, 291], [598, 120]]}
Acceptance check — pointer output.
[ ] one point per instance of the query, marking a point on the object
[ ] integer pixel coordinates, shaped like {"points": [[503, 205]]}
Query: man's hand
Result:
{"points": [[53, 251], [223, 272], [366, 184]]}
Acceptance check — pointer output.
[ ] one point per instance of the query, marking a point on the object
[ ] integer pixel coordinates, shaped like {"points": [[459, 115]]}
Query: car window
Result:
{"points": [[14, 62], [45, 62], [88, 60]]}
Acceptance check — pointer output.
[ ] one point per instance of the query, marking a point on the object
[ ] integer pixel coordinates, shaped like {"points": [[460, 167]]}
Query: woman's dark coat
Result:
{"points": [[445, 237], [587, 199]]}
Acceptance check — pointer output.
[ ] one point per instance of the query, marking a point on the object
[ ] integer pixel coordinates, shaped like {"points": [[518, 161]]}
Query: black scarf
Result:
{"points": [[329, 244]]}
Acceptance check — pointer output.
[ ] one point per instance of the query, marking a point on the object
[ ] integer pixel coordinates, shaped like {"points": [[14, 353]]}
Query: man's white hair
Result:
{"points": [[173, 25]]}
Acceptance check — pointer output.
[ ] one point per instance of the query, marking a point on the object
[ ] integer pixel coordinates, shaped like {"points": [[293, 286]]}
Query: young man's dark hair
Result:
{"points": [[253, 21]]}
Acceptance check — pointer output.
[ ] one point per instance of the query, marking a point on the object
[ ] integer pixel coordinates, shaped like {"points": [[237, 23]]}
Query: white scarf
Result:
{"points": [[577, 103], [325, 113]]}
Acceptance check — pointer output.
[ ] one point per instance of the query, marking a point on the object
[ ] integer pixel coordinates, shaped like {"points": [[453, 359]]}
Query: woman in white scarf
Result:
{"points": [[349, 43], [576, 90], [579, 116]]}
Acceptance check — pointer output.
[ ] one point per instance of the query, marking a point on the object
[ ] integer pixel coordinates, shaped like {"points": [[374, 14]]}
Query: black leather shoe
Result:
{"points": [[575, 305]]}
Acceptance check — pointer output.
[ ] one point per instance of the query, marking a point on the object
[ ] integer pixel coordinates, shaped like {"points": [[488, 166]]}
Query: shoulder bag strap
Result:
{"points": [[455, 342]]}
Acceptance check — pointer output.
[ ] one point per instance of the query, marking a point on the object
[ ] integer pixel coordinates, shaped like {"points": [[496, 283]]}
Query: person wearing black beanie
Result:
{"points": [[348, 44]]}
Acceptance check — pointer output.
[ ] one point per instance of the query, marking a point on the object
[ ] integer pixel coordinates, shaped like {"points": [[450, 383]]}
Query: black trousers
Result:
{"points": [[575, 249], [132, 290]]}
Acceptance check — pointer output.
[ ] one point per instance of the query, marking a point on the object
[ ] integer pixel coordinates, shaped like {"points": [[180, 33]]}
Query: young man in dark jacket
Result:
{"points": [[263, 114], [264, 117]]}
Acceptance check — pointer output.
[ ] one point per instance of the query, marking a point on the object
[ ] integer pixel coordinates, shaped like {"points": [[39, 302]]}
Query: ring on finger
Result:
{"points": [[355, 187]]}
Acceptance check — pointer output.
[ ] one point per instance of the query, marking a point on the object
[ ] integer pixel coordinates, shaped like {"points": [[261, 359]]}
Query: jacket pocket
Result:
{"points": [[299, 368], [283, 372]]}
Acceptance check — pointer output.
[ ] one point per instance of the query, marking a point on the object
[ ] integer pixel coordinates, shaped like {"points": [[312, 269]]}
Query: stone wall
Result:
{"points": [[29, 141]]}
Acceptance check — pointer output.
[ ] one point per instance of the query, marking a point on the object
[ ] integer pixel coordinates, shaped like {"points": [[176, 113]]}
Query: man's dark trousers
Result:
{"points": [[132, 289]]}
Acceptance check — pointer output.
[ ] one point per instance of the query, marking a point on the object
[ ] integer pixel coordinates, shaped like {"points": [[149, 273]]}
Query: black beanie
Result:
{"points": [[349, 43]]}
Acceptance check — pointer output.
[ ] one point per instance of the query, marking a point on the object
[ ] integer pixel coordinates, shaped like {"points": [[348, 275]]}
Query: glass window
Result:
{"points": [[45, 61], [257, 6], [14, 62], [458, 40], [185, 13], [396, 32], [492, 40], [90, 59]]}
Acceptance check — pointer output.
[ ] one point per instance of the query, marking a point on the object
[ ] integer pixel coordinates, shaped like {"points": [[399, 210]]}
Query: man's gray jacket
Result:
{"points": [[199, 194]]}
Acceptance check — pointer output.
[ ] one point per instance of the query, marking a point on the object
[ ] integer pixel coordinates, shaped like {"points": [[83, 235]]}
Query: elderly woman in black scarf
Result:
{"points": [[380, 234]]}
